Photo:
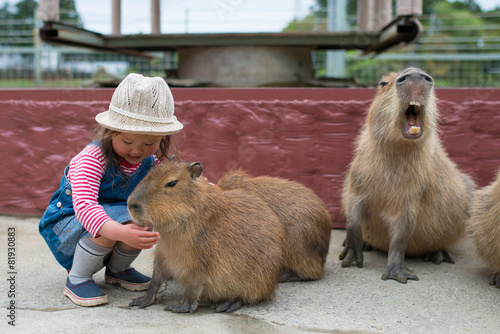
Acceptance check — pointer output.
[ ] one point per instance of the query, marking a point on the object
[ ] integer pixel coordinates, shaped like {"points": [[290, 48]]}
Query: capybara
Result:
{"points": [[224, 247], [403, 194], [304, 216], [485, 226]]}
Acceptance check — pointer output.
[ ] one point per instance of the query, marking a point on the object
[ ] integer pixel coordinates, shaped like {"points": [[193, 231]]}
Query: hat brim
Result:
{"points": [[142, 128]]}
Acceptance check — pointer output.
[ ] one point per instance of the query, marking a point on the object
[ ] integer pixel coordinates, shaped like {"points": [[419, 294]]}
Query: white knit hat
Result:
{"points": [[141, 105]]}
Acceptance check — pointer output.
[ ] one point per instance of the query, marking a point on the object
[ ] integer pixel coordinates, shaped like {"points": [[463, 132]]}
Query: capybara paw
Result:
{"points": [[229, 306], [495, 280], [181, 308], [399, 273], [351, 255], [142, 302], [438, 257]]}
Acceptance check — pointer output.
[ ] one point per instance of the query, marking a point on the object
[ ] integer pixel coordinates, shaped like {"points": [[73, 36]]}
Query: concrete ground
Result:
{"points": [[449, 298]]}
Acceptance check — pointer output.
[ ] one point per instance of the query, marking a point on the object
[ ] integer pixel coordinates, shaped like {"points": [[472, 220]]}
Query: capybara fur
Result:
{"points": [[304, 216], [224, 247], [485, 226], [402, 193]]}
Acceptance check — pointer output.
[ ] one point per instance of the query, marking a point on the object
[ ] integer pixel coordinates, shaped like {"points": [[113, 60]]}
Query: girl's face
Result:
{"points": [[134, 148]]}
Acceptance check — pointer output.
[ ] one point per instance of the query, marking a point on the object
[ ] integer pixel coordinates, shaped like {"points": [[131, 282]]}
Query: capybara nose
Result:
{"points": [[134, 206], [415, 77]]}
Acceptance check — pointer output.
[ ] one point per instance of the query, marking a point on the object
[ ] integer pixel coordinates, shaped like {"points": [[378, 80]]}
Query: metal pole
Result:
{"points": [[116, 9], [365, 15], [337, 21], [155, 17], [37, 57], [383, 14]]}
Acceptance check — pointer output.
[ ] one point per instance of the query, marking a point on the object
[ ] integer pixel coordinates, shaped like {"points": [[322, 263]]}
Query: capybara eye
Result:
{"points": [[383, 83], [171, 183]]}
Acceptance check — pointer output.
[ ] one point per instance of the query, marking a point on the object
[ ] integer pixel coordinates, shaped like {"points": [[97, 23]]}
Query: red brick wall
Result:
{"points": [[303, 134]]}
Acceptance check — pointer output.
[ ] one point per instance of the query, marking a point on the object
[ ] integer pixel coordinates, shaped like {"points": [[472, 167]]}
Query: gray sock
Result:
{"points": [[88, 259], [121, 259]]}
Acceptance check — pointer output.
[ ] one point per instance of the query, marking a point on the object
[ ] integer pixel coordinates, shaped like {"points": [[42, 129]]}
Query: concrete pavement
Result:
{"points": [[447, 299]]}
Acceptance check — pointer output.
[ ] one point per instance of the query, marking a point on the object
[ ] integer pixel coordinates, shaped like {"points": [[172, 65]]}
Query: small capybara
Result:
{"points": [[224, 247], [304, 216], [485, 226], [403, 194]]}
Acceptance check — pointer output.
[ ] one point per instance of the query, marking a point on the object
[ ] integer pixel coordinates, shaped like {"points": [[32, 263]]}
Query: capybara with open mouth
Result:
{"points": [[485, 226], [224, 247], [403, 194], [304, 216]]}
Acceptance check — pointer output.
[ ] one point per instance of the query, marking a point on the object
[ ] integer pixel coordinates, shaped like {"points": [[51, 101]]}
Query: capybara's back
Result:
{"points": [[225, 247], [304, 216], [403, 194], [485, 226]]}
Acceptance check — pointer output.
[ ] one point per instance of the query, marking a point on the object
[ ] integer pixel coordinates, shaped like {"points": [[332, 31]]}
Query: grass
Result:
{"points": [[52, 83]]}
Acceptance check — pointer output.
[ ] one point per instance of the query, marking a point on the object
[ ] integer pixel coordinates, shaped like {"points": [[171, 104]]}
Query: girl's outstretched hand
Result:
{"points": [[138, 236]]}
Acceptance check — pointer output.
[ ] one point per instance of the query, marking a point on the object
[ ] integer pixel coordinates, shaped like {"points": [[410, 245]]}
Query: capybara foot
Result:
{"points": [[229, 306], [439, 257], [495, 280], [366, 246], [399, 273], [182, 308], [143, 301], [351, 254]]}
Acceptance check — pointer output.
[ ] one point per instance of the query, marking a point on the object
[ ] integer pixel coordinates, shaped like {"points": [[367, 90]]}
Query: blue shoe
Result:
{"points": [[85, 294], [129, 279]]}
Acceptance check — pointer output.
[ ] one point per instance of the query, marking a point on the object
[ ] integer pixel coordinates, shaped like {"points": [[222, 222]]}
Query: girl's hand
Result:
{"points": [[138, 236]]}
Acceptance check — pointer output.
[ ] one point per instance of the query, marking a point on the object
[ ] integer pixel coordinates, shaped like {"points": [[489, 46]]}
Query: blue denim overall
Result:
{"points": [[59, 226]]}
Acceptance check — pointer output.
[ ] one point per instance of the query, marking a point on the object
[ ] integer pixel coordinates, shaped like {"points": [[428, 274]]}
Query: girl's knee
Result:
{"points": [[103, 242], [126, 247]]}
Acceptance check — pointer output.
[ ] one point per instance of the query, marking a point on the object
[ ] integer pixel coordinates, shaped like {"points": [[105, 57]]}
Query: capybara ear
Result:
{"points": [[195, 169], [170, 158]]}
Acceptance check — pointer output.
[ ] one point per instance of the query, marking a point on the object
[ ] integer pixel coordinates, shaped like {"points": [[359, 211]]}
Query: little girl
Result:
{"points": [[87, 225]]}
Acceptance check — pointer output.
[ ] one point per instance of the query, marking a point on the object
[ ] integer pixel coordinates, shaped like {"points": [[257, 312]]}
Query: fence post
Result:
{"points": [[37, 57]]}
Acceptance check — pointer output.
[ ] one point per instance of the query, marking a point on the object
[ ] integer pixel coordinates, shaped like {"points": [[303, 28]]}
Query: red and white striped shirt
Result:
{"points": [[86, 171]]}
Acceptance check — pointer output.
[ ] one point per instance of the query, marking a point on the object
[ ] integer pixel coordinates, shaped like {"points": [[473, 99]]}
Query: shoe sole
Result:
{"points": [[126, 285], [86, 302]]}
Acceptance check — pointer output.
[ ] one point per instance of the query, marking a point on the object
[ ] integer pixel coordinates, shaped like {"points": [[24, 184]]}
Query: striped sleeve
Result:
{"points": [[85, 174]]}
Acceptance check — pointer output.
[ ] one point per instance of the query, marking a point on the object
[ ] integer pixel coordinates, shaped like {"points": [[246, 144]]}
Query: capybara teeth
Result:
{"points": [[414, 130]]}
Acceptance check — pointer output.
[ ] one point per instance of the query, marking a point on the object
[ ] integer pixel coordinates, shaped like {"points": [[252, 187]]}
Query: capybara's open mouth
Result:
{"points": [[412, 121]]}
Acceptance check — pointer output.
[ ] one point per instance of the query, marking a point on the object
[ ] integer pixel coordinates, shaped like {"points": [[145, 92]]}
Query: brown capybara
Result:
{"points": [[304, 216], [224, 247], [403, 194], [485, 226]]}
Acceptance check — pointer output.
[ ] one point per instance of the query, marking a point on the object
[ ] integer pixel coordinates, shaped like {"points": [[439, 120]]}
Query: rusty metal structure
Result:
{"points": [[378, 31]]}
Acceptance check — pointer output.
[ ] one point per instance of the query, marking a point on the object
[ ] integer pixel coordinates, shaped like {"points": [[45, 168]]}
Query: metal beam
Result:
{"points": [[316, 40], [57, 33], [401, 31]]}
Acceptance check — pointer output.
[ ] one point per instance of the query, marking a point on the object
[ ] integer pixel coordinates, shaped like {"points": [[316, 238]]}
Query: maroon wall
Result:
{"points": [[304, 134]]}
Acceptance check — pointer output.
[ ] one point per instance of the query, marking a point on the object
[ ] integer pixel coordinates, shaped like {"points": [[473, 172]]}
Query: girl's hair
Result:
{"points": [[105, 136]]}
